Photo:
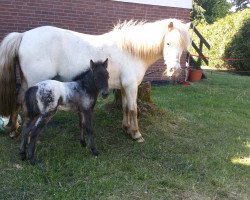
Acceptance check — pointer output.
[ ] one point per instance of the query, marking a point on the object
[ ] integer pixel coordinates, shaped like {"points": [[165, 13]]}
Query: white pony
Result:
{"points": [[47, 52]]}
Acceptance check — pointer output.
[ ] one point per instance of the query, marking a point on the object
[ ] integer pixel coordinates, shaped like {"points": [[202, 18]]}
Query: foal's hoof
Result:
{"points": [[22, 156], [83, 143], [32, 160], [95, 152]]}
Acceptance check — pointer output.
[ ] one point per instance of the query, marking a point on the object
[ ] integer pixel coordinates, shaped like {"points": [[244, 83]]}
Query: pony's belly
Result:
{"points": [[114, 77], [115, 84]]}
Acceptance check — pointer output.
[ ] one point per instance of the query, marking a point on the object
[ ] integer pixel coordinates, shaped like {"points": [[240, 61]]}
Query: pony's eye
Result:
{"points": [[168, 44]]}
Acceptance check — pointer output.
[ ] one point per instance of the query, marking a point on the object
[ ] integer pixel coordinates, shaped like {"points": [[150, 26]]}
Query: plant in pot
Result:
{"points": [[195, 71]]}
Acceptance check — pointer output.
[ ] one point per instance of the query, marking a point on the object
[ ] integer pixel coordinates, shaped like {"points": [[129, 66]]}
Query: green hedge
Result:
{"points": [[229, 38]]}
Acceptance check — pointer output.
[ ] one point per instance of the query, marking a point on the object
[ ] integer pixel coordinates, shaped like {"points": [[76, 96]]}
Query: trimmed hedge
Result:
{"points": [[229, 38]]}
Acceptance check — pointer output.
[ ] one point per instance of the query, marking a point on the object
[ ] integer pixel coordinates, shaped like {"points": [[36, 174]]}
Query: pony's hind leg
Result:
{"points": [[12, 126], [81, 125], [131, 93]]}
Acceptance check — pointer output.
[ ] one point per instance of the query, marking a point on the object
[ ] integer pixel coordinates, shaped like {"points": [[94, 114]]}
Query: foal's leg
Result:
{"points": [[40, 123], [126, 113], [81, 125], [89, 129], [27, 126], [131, 93]]}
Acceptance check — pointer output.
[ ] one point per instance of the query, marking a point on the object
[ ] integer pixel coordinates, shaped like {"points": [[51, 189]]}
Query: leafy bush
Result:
{"points": [[228, 37], [239, 47]]}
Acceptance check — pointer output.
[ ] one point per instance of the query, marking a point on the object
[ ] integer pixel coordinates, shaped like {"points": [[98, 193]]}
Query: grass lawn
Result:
{"points": [[197, 147]]}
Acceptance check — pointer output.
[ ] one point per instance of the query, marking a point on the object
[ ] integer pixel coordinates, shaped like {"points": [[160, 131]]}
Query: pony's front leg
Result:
{"points": [[131, 93], [89, 129], [126, 113], [81, 125]]}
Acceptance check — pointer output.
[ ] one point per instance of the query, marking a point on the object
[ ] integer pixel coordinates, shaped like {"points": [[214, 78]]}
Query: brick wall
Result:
{"points": [[88, 16]]}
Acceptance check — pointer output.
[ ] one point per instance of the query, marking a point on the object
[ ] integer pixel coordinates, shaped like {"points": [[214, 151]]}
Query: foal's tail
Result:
{"points": [[30, 100], [8, 56]]}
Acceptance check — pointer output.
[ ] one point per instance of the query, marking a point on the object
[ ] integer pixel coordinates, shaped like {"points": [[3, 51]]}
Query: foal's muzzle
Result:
{"points": [[105, 94]]}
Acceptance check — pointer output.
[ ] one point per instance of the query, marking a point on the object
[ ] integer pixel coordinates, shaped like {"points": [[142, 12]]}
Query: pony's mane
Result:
{"points": [[146, 39]]}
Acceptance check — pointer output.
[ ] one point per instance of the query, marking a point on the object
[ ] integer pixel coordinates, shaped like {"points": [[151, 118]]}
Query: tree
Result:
{"points": [[240, 4], [197, 13], [212, 9]]}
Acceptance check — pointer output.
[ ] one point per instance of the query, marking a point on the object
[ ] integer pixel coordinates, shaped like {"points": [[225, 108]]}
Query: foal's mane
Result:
{"points": [[146, 39], [81, 75]]}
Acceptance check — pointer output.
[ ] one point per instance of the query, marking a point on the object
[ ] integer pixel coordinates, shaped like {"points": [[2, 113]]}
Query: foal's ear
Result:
{"points": [[106, 63], [170, 26], [92, 65]]}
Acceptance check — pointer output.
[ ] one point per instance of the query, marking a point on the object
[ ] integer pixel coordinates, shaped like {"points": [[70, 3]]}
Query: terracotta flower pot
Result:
{"points": [[195, 75]]}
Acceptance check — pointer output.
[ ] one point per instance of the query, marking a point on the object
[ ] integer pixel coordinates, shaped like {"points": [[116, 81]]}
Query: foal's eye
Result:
{"points": [[168, 44]]}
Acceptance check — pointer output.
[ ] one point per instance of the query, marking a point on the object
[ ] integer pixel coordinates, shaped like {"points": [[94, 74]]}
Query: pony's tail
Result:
{"points": [[8, 56]]}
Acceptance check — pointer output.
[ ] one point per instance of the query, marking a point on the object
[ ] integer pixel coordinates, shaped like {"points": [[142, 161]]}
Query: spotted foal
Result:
{"points": [[44, 99]]}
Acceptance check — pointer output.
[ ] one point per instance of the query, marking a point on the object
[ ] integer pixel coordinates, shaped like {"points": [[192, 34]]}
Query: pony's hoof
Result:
{"points": [[136, 135], [13, 134], [126, 129], [139, 140], [22, 156]]}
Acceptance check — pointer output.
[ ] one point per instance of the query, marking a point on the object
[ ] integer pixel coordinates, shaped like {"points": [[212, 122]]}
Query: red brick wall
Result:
{"points": [[88, 16]]}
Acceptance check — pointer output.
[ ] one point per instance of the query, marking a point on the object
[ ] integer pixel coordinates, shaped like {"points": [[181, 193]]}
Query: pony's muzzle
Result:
{"points": [[172, 70]]}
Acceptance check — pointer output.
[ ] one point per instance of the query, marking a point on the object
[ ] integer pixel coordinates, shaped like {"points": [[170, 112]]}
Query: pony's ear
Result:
{"points": [[170, 26], [92, 65], [187, 25], [106, 63]]}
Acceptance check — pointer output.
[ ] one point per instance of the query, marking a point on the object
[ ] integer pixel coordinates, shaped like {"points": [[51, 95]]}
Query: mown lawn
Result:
{"points": [[197, 147]]}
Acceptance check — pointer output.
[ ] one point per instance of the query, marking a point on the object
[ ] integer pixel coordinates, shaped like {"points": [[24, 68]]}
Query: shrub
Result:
{"points": [[228, 37], [239, 47]]}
